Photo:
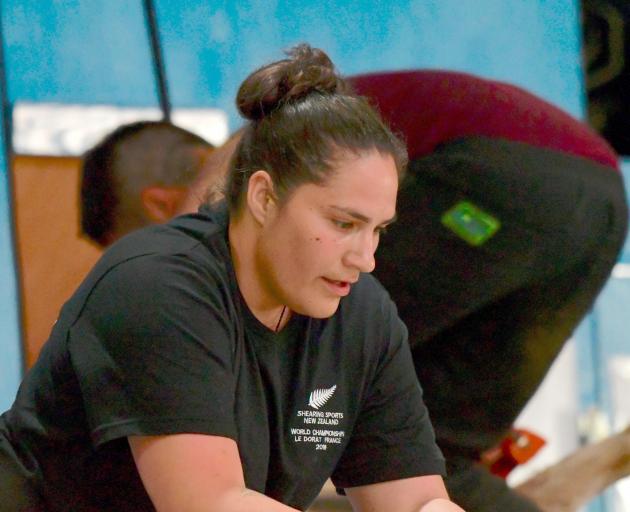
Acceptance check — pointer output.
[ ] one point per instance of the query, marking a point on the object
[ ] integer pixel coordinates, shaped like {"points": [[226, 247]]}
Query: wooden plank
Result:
{"points": [[52, 256]]}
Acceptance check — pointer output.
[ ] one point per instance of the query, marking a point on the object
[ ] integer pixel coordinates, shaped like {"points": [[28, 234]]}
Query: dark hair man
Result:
{"points": [[136, 176]]}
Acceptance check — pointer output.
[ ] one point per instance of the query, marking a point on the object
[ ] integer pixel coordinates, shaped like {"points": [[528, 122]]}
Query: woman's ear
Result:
{"points": [[261, 199]]}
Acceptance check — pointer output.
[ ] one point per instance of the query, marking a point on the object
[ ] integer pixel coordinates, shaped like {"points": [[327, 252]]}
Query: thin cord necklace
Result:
{"points": [[284, 308]]}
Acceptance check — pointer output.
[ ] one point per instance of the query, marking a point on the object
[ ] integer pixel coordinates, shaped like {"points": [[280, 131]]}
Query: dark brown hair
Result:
{"points": [[302, 115]]}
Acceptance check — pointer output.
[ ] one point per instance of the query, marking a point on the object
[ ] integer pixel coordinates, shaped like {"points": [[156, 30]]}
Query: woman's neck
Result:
{"points": [[243, 237]]}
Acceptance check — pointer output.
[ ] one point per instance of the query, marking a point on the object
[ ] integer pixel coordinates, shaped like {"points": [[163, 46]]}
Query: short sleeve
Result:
{"points": [[152, 351], [393, 437]]}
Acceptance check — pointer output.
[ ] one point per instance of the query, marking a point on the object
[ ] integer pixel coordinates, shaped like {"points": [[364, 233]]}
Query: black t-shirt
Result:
{"points": [[158, 340]]}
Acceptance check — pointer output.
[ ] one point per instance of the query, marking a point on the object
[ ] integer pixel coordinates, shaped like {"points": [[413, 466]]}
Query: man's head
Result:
{"points": [[136, 176]]}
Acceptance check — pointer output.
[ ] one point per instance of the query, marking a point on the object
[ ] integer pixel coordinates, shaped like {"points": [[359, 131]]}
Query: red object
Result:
{"points": [[516, 448], [430, 107]]}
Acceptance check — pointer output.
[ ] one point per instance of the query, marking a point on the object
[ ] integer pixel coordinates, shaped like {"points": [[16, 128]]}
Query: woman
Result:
{"points": [[236, 359]]}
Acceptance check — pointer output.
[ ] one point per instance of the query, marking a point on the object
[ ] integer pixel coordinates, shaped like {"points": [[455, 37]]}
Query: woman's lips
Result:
{"points": [[341, 288]]}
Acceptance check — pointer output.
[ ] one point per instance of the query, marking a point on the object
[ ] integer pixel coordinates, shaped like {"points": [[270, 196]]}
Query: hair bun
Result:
{"points": [[307, 70]]}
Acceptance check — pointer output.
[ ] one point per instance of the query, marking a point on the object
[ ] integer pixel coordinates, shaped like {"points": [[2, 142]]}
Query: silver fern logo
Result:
{"points": [[319, 397]]}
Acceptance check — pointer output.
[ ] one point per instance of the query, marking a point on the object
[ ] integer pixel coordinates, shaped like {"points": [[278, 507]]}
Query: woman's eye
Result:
{"points": [[342, 224]]}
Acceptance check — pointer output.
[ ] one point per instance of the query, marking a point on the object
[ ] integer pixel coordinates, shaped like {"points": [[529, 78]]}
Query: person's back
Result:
{"points": [[510, 220]]}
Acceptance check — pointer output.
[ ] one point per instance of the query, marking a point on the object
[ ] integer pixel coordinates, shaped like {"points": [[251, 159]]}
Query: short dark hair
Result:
{"points": [[302, 113], [128, 159]]}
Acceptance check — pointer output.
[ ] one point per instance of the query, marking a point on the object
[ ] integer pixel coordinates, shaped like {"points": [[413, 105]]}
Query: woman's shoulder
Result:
{"points": [[198, 240], [181, 235], [159, 261]]}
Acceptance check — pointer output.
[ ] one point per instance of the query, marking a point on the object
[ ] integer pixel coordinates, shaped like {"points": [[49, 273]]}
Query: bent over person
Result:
{"points": [[511, 218], [235, 359]]}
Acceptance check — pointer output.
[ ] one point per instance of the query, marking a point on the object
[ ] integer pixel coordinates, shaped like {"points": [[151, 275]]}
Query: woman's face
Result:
{"points": [[316, 244]]}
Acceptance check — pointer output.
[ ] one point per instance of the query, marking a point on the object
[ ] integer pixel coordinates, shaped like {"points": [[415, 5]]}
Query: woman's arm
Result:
{"points": [[195, 472], [417, 494]]}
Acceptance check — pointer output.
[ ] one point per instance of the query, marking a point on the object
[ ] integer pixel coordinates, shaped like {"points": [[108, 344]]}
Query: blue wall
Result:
{"points": [[210, 49], [76, 51], [98, 52], [10, 352]]}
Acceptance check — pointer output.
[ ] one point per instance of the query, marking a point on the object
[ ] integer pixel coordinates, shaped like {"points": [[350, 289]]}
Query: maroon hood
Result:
{"points": [[430, 107]]}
